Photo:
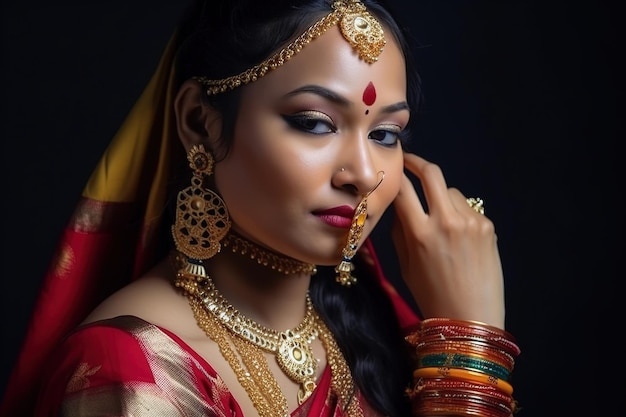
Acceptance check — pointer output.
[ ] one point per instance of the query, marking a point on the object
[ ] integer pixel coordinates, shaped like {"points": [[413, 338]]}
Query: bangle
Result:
{"points": [[434, 329], [465, 374], [465, 398], [495, 341], [434, 321], [454, 360], [469, 348], [424, 385], [433, 407]]}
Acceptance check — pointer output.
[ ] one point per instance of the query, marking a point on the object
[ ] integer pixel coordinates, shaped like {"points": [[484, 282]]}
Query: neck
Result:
{"points": [[273, 299], [263, 293]]}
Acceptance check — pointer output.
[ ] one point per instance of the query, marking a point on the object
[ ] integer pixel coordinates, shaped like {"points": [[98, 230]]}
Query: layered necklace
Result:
{"points": [[242, 341]]}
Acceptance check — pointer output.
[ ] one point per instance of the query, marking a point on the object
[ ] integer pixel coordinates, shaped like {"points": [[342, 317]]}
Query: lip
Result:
{"points": [[340, 216]]}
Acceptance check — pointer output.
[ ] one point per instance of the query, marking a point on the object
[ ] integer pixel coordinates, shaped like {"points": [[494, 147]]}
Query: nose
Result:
{"points": [[356, 171]]}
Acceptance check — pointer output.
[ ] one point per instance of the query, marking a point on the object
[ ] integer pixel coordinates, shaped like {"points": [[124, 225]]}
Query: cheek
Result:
{"points": [[264, 165]]}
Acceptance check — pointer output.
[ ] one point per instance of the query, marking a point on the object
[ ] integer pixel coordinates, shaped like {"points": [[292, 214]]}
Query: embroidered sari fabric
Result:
{"points": [[127, 367]]}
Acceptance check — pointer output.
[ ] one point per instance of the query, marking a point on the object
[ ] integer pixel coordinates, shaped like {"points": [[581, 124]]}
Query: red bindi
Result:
{"points": [[369, 95]]}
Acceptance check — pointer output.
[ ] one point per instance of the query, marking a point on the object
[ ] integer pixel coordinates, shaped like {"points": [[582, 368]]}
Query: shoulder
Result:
{"points": [[128, 362], [125, 344], [114, 348], [153, 299]]}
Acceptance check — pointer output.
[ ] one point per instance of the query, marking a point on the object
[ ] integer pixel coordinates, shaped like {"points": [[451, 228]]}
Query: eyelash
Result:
{"points": [[308, 122]]}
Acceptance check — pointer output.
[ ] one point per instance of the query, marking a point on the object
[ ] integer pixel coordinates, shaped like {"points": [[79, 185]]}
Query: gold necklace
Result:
{"points": [[275, 261], [292, 347], [218, 319], [248, 363]]}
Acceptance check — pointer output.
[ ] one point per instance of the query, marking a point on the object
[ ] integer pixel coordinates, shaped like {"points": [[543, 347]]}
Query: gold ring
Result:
{"points": [[476, 204]]}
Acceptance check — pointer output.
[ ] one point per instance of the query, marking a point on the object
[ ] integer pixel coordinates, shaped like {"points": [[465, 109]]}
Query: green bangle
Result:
{"points": [[456, 360]]}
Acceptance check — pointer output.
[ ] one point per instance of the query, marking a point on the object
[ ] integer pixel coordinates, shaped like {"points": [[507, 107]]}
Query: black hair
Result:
{"points": [[221, 38]]}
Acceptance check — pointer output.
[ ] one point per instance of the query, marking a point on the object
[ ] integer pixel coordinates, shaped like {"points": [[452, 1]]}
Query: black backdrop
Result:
{"points": [[521, 109]]}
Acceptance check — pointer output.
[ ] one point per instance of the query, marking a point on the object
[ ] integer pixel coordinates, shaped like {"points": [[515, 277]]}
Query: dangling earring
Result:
{"points": [[345, 268], [202, 218]]}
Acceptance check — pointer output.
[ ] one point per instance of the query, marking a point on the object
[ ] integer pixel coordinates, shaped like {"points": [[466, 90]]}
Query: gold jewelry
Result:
{"points": [[219, 319], [202, 218], [364, 33], [345, 268], [275, 261], [242, 356], [291, 347], [476, 204]]}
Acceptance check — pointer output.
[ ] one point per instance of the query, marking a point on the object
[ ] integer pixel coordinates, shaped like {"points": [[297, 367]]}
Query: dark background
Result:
{"points": [[521, 108]]}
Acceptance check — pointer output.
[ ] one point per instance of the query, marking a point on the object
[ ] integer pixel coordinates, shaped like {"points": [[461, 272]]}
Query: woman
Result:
{"points": [[255, 290]]}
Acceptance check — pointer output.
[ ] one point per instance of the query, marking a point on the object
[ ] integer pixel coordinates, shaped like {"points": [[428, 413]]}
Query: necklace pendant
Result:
{"points": [[305, 391], [295, 357]]}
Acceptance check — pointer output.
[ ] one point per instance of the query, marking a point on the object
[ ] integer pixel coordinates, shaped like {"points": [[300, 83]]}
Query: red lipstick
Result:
{"points": [[340, 216]]}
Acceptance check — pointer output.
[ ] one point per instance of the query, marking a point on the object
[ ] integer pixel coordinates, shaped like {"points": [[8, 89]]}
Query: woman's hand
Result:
{"points": [[448, 253]]}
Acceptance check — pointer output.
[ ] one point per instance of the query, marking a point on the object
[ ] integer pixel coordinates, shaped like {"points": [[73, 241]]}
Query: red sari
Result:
{"points": [[126, 366]]}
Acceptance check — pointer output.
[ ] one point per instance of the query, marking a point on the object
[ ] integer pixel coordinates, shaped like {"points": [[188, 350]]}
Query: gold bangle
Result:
{"points": [[465, 374]]}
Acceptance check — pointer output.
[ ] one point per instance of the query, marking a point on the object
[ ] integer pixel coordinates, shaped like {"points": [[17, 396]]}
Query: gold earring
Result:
{"points": [[202, 218], [345, 268]]}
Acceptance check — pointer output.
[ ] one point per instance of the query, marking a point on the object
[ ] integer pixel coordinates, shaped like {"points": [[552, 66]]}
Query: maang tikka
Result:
{"points": [[202, 219], [345, 268]]}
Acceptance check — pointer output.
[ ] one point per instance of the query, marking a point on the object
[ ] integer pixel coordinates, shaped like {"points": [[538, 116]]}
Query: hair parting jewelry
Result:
{"points": [[275, 261], [345, 268], [358, 27], [242, 340]]}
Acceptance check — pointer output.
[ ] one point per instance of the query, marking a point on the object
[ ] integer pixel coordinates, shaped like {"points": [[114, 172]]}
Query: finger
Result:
{"points": [[432, 180], [459, 201], [408, 207], [475, 219]]}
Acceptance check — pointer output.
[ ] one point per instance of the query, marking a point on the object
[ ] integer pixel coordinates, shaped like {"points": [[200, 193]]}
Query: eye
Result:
{"points": [[313, 122], [387, 137]]}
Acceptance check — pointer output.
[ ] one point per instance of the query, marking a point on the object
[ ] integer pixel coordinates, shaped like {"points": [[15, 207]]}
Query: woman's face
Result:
{"points": [[311, 138]]}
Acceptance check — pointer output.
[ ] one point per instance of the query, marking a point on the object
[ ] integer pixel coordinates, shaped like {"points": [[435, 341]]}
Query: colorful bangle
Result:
{"points": [[448, 384], [499, 342], [434, 407], [469, 348], [465, 374], [433, 329], [455, 360], [434, 321]]}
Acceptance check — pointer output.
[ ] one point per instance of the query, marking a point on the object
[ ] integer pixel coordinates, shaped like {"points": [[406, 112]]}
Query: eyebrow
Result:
{"points": [[402, 105], [338, 99]]}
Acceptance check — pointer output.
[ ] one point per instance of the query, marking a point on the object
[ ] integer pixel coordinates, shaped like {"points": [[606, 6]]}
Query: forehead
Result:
{"points": [[330, 61]]}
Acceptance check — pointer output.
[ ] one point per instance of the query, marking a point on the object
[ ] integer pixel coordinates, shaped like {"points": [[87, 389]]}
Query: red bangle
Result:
{"points": [[425, 385], [446, 329], [466, 323]]}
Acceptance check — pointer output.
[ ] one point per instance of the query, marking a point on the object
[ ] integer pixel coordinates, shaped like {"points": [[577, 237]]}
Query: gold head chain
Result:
{"points": [[362, 31]]}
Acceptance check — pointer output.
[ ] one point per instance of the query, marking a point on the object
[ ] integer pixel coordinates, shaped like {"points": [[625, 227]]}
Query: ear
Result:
{"points": [[196, 121]]}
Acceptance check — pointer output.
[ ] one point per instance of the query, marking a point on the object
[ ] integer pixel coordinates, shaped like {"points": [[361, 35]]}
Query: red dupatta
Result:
{"points": [[112, 237]]}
